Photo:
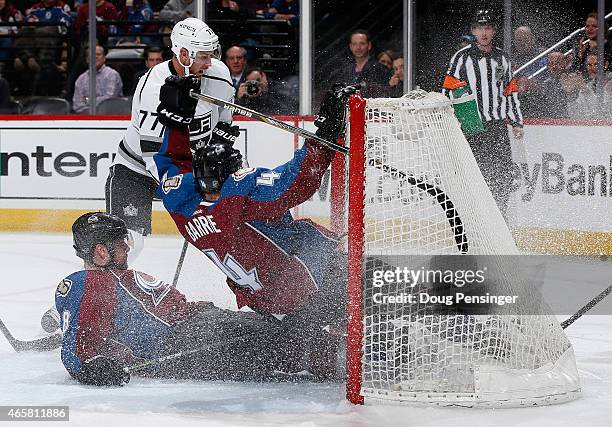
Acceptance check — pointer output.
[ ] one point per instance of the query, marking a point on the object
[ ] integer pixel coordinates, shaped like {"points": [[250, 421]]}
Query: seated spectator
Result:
{"points": [[153, 56], [235, 59], [258, 94], [554, 95], [386, 58], [586, 104], [39, 50], [363, 69], [587, 43], [8, 14], [138, 10], [525, 50], [177, 10], [108, 83], [397, 80], [105, 11], [288, 10]]}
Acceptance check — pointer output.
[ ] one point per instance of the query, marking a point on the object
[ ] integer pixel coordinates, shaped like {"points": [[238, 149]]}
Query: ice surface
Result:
{"points": [[34, 264]]}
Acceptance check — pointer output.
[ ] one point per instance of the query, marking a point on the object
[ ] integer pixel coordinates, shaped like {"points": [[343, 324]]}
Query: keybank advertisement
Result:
{"points": [[563, 178], [64, 164]]}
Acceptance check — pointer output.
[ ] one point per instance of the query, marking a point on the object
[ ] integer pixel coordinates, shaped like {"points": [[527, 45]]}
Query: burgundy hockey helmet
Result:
{"points": [[96, 227], [213, 164]]}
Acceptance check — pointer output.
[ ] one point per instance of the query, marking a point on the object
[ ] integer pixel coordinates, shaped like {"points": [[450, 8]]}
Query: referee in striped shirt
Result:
{"points": [[487, 70]]}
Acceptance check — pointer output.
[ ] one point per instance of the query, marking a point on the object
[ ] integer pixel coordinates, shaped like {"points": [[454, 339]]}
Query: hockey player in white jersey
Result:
{"points": [[132, 181]]}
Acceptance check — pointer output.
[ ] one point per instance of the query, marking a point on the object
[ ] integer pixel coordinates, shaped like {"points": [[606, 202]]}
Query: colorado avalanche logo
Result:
{"points": [[157, 289], [172, 183]]}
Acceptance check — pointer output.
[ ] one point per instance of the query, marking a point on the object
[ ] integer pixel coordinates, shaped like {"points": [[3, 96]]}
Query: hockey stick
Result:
{"points": [[41, 344], [587, 307], [247, 112], [162, 359], [443, 200], [179, 265]]}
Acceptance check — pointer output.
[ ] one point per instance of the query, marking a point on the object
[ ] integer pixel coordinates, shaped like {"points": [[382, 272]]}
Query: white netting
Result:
{"points": [[425, 195]]}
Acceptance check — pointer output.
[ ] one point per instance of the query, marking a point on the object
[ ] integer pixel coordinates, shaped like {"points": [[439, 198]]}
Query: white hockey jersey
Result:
{"points": [[144, 134]]}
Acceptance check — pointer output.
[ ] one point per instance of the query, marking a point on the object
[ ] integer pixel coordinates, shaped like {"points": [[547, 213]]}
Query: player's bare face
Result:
{"points": [[484, 35], [360, 46]]}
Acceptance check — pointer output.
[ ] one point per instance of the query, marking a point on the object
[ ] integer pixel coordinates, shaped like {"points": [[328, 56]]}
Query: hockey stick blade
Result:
{"points": [[587, 307], [41, 344], [247, 112]]}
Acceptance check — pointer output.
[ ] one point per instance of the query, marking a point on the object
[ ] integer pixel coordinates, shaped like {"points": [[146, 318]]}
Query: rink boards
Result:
{"points": [[53, 168]]}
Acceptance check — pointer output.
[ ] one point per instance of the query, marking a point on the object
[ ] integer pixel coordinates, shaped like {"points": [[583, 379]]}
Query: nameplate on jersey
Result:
{"points": [[200, 130], [201, 226], [173, 183], [64, 287]]}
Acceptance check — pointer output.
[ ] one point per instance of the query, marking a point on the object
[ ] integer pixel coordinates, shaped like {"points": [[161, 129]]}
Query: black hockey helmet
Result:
{"points": [[483, 17], [213, 164], [96, 227]]}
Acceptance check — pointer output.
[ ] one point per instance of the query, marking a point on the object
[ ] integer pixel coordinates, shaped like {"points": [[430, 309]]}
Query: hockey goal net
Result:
{"points": [[412, 187]]}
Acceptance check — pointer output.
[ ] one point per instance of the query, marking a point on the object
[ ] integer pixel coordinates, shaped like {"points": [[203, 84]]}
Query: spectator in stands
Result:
{"points": [[258, 94], [177, 10], [108, 83], [363, 69], [235, 59], [397, 80], [386, 58], [105, 11], [288, 10], [525, 50], [587, 43], [153, 55], [587, 104], [39, 50], [8, 13], [551, 92], [138, 10]]}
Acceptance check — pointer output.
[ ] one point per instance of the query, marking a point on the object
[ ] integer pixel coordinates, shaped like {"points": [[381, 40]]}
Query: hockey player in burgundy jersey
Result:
{"points": [[240, 219], [112, 317]]}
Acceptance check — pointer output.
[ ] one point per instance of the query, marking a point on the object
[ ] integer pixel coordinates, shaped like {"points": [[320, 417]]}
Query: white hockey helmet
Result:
{"points": [[195, 36]]}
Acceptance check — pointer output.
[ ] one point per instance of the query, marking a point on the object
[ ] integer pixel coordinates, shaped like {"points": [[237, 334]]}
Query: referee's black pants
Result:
{"points": [[492, 151]]}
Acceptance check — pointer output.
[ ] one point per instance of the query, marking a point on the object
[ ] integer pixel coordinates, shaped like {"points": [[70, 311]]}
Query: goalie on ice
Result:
{"points": [[112, 317]]}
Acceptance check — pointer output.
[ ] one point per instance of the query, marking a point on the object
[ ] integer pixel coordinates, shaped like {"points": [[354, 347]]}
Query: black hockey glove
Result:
{"points": [[222, 133], [103, 371], [330, 121], [176, 108]]}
